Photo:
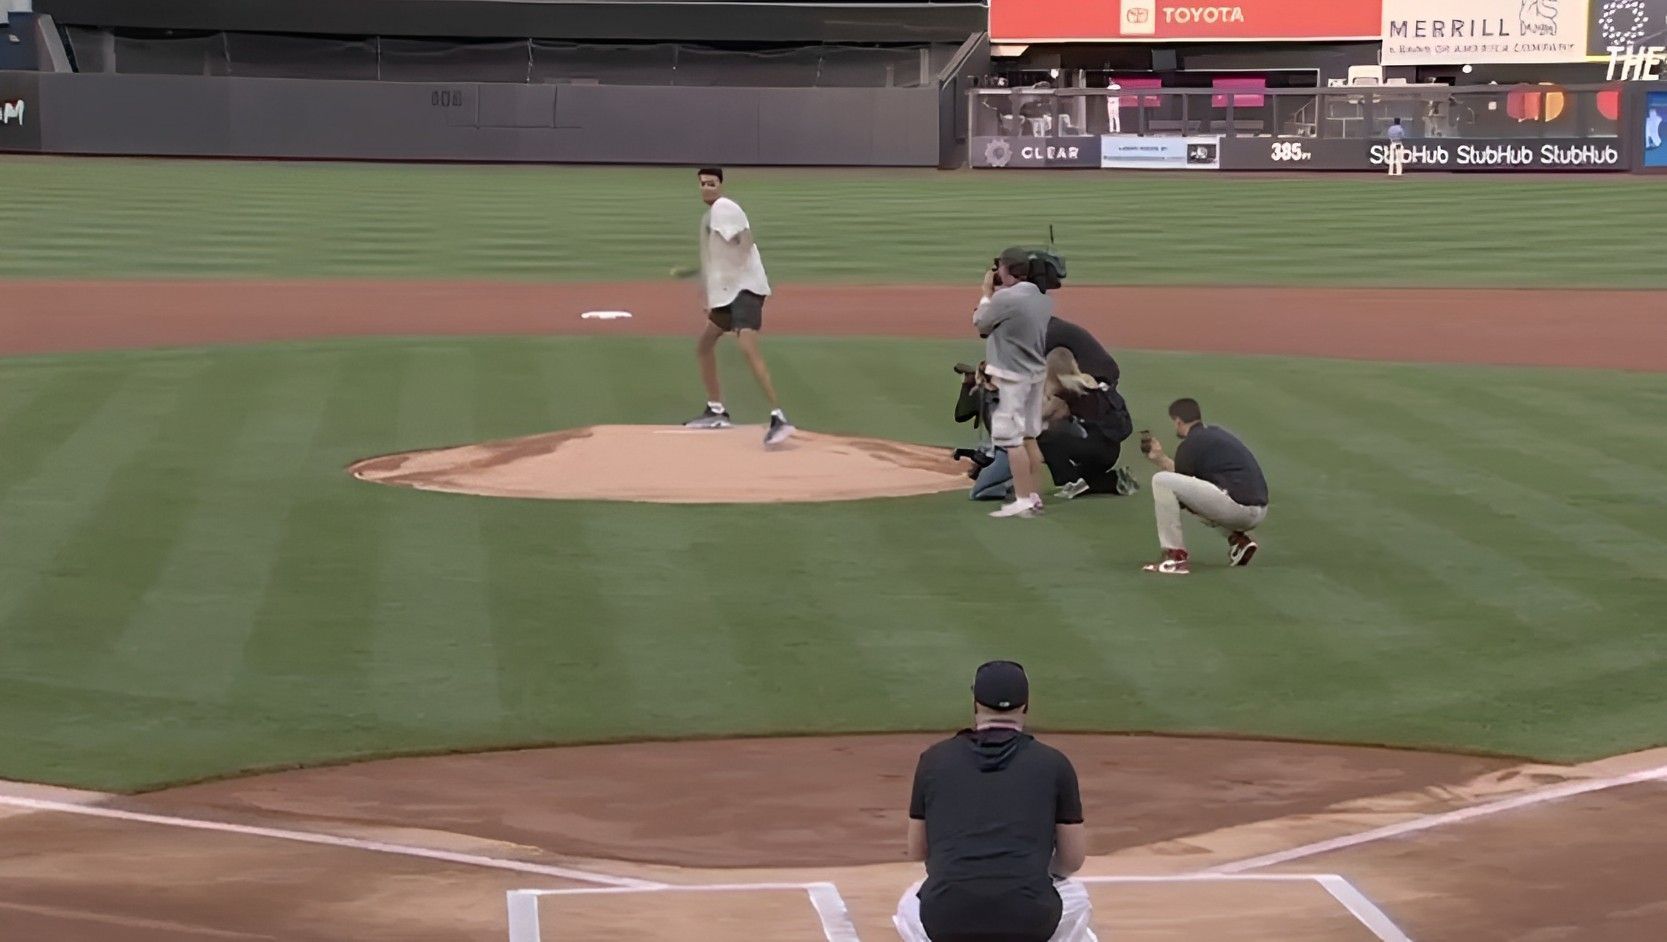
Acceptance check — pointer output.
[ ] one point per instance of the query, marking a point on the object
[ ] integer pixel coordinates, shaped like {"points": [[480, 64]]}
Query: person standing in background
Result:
{"points": [[1397, 148], [1114, 108]]}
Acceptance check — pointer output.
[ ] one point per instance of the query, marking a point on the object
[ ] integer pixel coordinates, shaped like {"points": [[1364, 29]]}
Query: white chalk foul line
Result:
{"points": [[1429, 822], [328, 840], [1362, 908], [830, 906]]}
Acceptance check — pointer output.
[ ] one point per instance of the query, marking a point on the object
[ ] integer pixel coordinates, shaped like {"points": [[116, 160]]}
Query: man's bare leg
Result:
{"points": [[748, 340], [706, 352], [1034, 451], [1024, 473]]}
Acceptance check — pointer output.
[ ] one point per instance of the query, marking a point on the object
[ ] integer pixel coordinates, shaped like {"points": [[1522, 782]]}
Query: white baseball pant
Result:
{"points": [[1075, 922], [1170, 491]]}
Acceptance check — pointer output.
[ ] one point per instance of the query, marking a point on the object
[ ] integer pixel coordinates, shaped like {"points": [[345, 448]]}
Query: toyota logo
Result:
{"points": [[1138, 15]]}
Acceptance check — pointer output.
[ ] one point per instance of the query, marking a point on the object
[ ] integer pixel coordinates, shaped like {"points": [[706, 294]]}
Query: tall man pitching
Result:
{"points": [[732, 273]]}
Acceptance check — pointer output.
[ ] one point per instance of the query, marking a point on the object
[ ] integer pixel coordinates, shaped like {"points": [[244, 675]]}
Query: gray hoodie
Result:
{"points": [[1014, 323]]}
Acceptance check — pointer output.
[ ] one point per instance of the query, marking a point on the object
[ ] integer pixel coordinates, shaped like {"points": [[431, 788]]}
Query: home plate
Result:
{"points": [[604, 315]]}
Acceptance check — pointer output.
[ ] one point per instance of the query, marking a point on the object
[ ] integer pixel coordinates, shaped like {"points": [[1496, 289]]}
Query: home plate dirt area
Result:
{"points": [[724, 840], [801, 838]]}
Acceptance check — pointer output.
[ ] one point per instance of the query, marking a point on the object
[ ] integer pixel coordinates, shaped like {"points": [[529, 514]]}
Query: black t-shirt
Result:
{"points": [[1217, 456], [990, 800], [1090, 354]]}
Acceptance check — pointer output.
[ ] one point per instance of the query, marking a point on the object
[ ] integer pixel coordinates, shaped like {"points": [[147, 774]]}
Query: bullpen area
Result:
{"points": [[582, 675]]}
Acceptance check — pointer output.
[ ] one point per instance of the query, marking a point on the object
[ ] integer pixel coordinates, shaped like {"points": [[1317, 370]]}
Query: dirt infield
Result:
{"points": [[630, 462], [1612, 329], [1183, 831], [425, 848]]}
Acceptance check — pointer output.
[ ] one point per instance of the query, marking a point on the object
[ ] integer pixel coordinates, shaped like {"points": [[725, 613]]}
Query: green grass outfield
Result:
{"points": [[189, 584], [1463, 558], [126, 218]]}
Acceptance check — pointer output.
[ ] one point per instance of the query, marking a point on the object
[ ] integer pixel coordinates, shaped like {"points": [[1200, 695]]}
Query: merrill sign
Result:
{"points": [[1424, 32], [12, 111]]}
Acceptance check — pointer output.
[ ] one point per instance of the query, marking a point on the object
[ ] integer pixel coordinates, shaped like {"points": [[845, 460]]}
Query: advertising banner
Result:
{"points": [[1655, 114], [1484, 32], [1043, 21], [1451, 155], [1019, 152], [1631, 25], [20, 114], [1160, 153]]}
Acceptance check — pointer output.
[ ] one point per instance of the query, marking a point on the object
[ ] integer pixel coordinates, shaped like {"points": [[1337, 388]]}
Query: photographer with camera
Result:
{"points": [[1012, 317], [1086, 423], [991, 475], [1213, 476]]}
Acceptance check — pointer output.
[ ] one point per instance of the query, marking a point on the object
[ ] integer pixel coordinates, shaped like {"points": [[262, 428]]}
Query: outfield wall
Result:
{"points": [[207, 116], [1533, 128]]}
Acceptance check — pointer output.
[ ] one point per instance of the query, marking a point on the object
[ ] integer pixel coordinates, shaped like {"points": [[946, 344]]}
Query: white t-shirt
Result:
{"points": [[726, 273]]}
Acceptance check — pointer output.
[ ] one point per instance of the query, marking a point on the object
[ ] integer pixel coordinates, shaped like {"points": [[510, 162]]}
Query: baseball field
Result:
{"points": [[248, 695]]}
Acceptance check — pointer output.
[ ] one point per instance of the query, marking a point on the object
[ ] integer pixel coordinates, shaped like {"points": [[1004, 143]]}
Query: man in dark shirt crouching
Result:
{"points": [[1212, 475], [997, 818]]}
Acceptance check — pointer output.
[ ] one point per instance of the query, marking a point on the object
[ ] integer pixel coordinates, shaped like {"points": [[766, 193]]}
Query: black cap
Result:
{"points": [[1001, 685]]}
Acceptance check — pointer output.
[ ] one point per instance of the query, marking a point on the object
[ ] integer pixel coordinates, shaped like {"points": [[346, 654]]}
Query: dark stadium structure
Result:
{"points": [[665, 81]]}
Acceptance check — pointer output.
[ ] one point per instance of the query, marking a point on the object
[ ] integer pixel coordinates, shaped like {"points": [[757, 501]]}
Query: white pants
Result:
{"points": [[1075, 922], [1171, 491], [1397, 158]]}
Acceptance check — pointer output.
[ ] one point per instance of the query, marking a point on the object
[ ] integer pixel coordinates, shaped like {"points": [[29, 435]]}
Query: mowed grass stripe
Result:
{"points": [[433, 657], [314, 629], [1518, 493], [1608, 425], [1429, 528], [563, 670], [45, 578], [44, 409], [204, 598], [1077, 572], [103, 218]]}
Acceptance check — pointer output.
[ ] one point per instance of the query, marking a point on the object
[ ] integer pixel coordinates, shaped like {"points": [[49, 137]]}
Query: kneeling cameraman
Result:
{"points": [[991, 475]]}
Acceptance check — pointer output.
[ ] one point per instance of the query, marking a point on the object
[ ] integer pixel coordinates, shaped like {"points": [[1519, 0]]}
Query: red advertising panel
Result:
{"points": [[1142, 101], [1240, 100], [1041, 21]]}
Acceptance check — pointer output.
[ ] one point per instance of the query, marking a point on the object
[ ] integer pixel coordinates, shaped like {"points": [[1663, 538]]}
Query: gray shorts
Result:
{"points": [[1018, 413], [746, 312]]}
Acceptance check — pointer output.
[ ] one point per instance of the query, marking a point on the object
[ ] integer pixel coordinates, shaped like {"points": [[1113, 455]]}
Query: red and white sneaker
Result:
{"points": [[1173, 563], [1240, 548]]}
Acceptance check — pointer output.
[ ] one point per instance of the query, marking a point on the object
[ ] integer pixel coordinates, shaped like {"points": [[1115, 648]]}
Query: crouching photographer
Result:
{"points": [[1087, 422], [992, 477]]}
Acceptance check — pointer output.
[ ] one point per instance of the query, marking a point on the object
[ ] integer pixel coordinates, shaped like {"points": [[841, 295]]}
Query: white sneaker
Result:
{"points": [[779, 431], [1022, 507]]}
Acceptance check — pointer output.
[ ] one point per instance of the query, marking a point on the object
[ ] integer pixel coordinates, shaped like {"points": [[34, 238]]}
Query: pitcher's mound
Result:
{"points": [[673, 465]]}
